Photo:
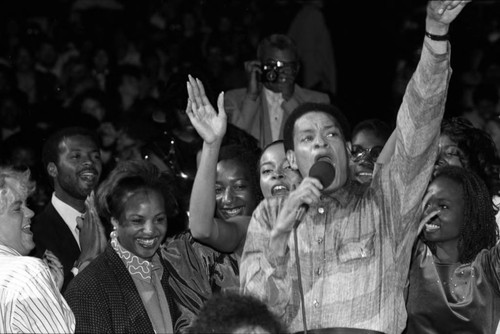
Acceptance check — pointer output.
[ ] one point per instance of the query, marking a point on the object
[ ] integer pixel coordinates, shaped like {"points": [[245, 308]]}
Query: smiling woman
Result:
{"points": [[30, 301], [130, 279], [453, 277]]}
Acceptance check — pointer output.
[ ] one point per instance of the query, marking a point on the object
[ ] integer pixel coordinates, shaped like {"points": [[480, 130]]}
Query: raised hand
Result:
{"points": [[445, 11], [253, 70], [209, 124], [92, 235], [55, 267]]}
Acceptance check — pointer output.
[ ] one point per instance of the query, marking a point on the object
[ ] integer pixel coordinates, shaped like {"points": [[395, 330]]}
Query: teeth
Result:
{"points": [[365, 174], [232, 211], [146, 242], [88, 176], [431, 227]]}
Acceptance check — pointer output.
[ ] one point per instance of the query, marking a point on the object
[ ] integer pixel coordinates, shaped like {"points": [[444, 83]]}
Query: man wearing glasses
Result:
{"points": [[271, 94]]}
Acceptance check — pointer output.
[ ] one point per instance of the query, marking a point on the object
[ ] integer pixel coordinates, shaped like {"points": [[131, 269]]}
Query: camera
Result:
{"points": [[269, 73], [272, 70]]}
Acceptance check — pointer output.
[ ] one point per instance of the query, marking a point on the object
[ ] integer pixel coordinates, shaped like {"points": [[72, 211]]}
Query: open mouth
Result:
{"points": [[27, 229], [429, 227], [279, 189], [323, 158], [232, 212], [147, 242], [89, 176]]}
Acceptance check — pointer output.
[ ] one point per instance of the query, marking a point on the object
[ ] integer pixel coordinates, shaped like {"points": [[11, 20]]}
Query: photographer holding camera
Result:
{"points": [[272, 94]]}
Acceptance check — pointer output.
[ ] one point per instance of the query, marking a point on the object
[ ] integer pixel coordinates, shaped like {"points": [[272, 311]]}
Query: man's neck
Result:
{"points": [[77, 204]]}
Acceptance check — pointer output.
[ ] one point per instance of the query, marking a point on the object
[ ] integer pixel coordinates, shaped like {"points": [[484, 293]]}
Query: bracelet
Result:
{"points": [[437, 37]]}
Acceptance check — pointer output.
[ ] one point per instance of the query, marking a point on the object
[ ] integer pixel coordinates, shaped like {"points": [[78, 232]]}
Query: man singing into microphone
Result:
{"points": [[354, 241]]}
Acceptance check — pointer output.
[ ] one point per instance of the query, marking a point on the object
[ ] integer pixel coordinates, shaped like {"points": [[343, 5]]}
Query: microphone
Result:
{"points": [[325, 173]]}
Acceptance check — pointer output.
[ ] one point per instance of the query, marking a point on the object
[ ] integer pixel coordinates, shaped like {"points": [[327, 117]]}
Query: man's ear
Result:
{"points": [[52, 169], [290, 156]]}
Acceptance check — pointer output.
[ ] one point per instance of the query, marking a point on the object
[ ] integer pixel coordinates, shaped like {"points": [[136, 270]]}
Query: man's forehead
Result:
{"points": [[77, 142], [324, 118], [273, 53]]}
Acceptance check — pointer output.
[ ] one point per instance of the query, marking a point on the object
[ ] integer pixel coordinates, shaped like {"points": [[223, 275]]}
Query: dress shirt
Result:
{"points": [[68, 214], [274, 101], [29, 299], [355, 243]]}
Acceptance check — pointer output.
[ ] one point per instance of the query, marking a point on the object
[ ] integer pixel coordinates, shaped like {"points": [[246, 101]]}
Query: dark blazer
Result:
{"points": [[51, 232], [104, 299]]}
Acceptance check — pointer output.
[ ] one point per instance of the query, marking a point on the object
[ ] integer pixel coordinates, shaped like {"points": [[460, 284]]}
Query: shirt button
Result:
{"points": [[321, 210], [318, 271], [316, 303], [320, 240]]}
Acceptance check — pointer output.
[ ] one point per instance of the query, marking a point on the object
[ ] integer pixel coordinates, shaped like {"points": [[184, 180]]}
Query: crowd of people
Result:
{"points": [[206, 179]]}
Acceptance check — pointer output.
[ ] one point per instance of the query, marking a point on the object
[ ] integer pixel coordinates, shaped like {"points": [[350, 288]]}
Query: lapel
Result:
{"points": [[135, 311], [265, 125], [62, 233]]}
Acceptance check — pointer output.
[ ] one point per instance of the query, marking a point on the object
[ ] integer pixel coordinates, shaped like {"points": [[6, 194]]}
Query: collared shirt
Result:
{"points": [[147, 279], [29, 299], [274, 101], [355, 244], [68, 214]]}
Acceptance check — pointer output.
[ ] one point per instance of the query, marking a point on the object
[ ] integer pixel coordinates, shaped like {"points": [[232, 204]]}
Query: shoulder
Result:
{"points": [[18, 271], [98, 272], [235, 94], [45, 217]]}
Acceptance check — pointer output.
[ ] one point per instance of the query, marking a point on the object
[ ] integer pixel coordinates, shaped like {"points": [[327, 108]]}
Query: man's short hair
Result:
{"points": [[50, 151], [278, 41], [306, 108]]}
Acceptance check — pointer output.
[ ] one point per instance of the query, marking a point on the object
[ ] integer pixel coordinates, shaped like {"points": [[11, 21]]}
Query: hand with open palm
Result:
{"points": [[209, 124]]}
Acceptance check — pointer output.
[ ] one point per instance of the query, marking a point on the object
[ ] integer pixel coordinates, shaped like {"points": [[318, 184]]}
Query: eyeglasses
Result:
{"points": [[358, 152], [286, 67]]}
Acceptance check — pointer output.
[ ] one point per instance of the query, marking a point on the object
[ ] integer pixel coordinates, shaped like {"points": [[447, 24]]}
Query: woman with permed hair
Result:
{"points": [[130, 287], [454, 286]]}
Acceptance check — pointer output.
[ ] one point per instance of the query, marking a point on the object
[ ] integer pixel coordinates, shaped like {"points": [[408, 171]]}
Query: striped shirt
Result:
{"points": [[355, 243], [29, 299]]}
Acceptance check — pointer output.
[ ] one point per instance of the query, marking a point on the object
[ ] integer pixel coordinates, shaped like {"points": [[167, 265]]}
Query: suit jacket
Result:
{"points": [[104, 299], [253, 115], [51, 232]]}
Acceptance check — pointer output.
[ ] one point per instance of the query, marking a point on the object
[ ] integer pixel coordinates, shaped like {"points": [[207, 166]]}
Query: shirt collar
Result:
{"points": [[67, 212], [272, 96], [137, 267], [9, 250]]}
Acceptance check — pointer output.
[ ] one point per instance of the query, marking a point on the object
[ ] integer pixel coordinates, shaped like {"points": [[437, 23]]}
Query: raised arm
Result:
{"points": [[418, 124], [211, 126]]}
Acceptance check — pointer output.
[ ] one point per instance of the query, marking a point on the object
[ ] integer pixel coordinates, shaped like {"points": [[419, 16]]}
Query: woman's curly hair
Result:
{"points": [[125, 180], [479, 230], [481, 155]]}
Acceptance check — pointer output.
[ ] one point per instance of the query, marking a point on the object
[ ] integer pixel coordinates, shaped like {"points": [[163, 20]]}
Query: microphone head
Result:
{"points": [[323, 171]]}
